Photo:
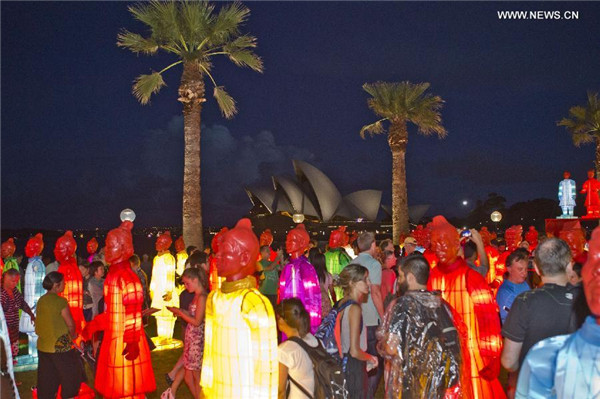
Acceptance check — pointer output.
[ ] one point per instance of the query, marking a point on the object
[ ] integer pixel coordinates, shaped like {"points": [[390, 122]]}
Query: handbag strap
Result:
{"points": [[296, 383]]}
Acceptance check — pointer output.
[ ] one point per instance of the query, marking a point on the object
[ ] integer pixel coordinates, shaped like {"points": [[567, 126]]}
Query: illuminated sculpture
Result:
{"points": [[532, 237], [181, 255], [336, 257], [64, 252], [469, 295], [592, 200], [266, 238], [33, 290], [92, 247], [513, 237], [162, 290], [424, 240], [299, 278], [574, 236], [491, 252], [567, 366], [124, 366], [240, 341], [7, 250], [566, 196], [213, 274]]}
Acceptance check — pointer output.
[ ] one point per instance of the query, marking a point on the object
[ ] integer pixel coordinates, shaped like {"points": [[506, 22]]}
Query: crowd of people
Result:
{"points": [[438, 316]]}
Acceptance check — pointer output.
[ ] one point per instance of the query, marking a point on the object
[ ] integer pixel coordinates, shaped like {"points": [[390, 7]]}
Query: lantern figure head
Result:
{"points": [[338, 238], [217, 239], [496, 216], [567, 175], [65, 247], [163, 241], [266, 238], [92, 246], [7, 249], [590, 174], [422, 236], [486, 236], [34, 246], [119, 244], [297, 241], [352, 237], [445, 240], [574, 236], [513, 237], [532, 236], [237, 252], [591, 275], [179, 244]]}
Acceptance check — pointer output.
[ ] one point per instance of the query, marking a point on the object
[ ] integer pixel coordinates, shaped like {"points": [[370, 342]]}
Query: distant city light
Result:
{"points": [[465, 202]]}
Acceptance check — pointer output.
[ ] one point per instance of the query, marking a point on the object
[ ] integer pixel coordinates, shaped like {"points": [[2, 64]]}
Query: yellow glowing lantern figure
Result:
{"points": [[124, 367], [162, 289], [240, 341], [181, 255], [468, 293]]}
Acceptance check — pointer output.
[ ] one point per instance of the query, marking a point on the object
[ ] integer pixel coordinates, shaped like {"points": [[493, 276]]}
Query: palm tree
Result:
{"points": [[584, 125], [193, 32], [399, 103]]}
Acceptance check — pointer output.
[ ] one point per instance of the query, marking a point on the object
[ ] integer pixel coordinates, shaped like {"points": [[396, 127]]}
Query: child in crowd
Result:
{"points": [[295, 366], [195, 281], [12, 302]]}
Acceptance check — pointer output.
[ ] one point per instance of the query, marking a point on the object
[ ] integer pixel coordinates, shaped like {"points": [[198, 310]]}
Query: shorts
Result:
{"points": [[59, 369]]}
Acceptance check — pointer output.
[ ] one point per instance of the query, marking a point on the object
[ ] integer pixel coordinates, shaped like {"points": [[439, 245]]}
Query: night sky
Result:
{"points": [[77, 147]]}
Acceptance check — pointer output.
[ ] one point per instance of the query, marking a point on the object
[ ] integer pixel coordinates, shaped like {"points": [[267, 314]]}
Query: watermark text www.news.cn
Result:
{"points": [[532, 15]]}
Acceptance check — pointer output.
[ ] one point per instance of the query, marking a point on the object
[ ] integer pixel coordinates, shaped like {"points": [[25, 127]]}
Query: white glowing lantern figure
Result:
{"points": [[496, 216], [298, 217], [127, 214]]}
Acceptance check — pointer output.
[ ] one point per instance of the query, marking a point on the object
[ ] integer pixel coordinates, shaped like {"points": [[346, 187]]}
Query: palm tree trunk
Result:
{"points": [[398, 139], [597, 162], [191, 95]]}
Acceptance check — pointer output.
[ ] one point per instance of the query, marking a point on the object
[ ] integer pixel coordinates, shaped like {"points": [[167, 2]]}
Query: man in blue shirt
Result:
{"points": [[516, 266]]}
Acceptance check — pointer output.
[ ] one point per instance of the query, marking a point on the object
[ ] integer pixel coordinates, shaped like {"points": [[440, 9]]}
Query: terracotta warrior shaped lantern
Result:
{"points": [[299, 278], [240, 341], [336, 257], [182, 255], [92, 247], [574, 236], [513, 237], [7, 251], [591, 187], [468, 293], [162, 289], [566, 196], [213, 278], [64, 251], [33, 290], [124, 367]]}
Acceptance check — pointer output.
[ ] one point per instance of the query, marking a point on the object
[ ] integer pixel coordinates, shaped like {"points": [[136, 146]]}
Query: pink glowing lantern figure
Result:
{"points": [[124, 367], [299, 278], [468, 293], [240, 341], [162, 289], [64, 251]]}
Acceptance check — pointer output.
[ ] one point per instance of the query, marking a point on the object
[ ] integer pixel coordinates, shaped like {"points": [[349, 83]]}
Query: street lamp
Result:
{"points": [[496, 216], [298, 217]]}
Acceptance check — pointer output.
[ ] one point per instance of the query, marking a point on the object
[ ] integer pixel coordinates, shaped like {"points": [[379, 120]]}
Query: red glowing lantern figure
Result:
{"points": [[468, 293], [574, 236], [92, 247], [266, 238], [213, 274], [124, 367], [532, 237], [64, 251], [513, 237], [240, 341], [336, 257], [591, 187]]}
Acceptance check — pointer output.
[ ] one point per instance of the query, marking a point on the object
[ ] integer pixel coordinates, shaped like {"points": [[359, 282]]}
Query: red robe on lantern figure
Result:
{"points": [[64, 251], [468, 293], [124, 367]]}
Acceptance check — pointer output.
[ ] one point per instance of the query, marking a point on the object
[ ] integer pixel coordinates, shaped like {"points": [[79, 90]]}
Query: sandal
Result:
{"points": [[168, 379]]}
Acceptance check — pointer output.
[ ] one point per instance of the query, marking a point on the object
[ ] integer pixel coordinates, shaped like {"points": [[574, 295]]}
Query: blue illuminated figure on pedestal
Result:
{"points": [[566, 196]]}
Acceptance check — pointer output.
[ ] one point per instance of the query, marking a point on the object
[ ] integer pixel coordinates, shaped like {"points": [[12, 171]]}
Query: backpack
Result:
{"points": [[328, 332], [330, 380]]}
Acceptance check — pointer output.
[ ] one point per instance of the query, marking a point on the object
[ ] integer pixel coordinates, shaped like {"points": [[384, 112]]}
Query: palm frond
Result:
{"points": [[195, 18], [146, 85], [583, 122], [247, 58], [582, 138], [225, 101], [136, 43], [162, 19], [227, 22], [373, 128]]}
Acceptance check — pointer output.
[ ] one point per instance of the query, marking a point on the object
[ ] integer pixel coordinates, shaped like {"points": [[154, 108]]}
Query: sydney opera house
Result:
{"points": [[311, 195]]}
